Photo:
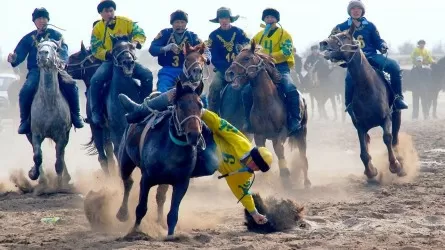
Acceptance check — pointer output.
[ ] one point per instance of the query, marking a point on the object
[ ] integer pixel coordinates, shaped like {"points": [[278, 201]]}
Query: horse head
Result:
{"points": [[188, 111], [194, 62], [47, 57], [123, 54], [341, 46], [248, 64], [82, 64]]}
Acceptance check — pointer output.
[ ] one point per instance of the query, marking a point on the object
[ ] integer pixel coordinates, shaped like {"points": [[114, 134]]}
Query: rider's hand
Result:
{"points": [[12, 57], [384, 48], [171, 47], [259, 218]]}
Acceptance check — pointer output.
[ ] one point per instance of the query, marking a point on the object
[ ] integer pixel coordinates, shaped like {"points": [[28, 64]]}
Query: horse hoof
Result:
{"points": [[170, 238], [401, 173], [307, 184], [284, 172], [33, 173], [371, 172], [395, 167], [122, 215]]}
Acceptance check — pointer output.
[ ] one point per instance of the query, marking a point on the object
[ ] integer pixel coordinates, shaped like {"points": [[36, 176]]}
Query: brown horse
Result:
{"points": [[268, 115], [371, 103]]}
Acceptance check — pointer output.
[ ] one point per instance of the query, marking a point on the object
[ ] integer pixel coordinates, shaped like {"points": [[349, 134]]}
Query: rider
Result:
{"points": [[422, 52], [277, 42], [238, 158], [101, 46], [370, 41], [28, 47], [313, 57], [224, 44], [168, 46]]}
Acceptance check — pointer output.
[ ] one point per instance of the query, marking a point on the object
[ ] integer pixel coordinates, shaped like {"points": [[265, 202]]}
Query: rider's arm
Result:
{"points": [[97, 46], [240, 184], [226, 130], [428, 58], [306, 63], [157, 44], [218, 58], [243, 39], [286, 48], [414, 55], [137, 33], [376, 39], [22, 50]]}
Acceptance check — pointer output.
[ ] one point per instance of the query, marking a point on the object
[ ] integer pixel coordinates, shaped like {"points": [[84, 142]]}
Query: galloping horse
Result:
{"points": [[50, 113], [166, 150], [372, 99], [268, 114], [81, 66]]}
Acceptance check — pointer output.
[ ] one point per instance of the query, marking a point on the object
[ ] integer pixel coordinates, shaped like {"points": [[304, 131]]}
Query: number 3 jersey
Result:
{"points": [[223, 46], [167, 36], [366, 34]]}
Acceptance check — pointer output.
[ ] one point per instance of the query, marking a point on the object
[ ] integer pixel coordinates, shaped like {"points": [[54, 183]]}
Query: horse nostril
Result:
{"points": [[323, 45]]}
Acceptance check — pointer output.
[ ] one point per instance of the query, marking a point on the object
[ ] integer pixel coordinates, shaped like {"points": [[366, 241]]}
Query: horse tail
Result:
{"points": [[296, 139], [90, 147]]}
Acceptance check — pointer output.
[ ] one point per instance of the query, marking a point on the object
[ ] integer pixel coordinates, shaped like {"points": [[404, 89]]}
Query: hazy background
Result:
{"points": [[308, 21]]}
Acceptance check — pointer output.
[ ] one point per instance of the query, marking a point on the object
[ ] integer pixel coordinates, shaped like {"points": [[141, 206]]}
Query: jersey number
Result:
{"points": [[175, 61], [268, 45], [230, 57]]}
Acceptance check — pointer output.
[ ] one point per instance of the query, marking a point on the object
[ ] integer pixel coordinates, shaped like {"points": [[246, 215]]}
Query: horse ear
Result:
{"points": [[202, 48], [83, 50], [187, 48], [252, 46], [178, 88], [352, 29], [200, 88]]}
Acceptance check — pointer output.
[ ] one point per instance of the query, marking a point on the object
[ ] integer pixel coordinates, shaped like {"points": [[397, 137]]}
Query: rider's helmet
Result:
{"points": [[105, 4], [262, 158], [421, 41], [356, 3], [40, 12]]}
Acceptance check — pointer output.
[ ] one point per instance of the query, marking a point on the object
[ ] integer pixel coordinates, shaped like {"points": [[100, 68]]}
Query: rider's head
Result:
{"points": [[270, 16], [40, 17], [258, 159], [106, 9], [356, 9], [179, 20], [421, 43], [314, 49]]}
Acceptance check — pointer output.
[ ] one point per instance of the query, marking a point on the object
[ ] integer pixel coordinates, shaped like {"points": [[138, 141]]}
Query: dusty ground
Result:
{"points": [[343, 210]]}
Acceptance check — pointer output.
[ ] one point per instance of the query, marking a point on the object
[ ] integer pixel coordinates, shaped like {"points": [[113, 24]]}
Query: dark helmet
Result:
{"points": [[40, 12], [421, 42]]}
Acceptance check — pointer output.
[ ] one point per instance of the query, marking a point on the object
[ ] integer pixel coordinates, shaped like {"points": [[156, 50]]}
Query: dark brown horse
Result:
{"points": [[268, 114], [372, 99], [81, 66]]}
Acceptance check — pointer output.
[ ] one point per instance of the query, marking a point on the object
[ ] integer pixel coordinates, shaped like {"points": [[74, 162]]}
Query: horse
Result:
{"points": [[424, 90], [320, 87], [50, 113], [81, 66], [372, 99], [168, 155], [268, 115]]}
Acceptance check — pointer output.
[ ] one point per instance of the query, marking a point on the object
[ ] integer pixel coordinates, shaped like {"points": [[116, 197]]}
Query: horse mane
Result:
{"points": [[269, 62]]}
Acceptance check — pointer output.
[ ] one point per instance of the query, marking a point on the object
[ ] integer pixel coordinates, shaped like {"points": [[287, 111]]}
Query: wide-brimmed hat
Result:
{"points": [[224, 12]]}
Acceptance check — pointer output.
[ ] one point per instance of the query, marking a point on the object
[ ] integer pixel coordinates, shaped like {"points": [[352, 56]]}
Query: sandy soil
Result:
{"points": [[342, 209]]}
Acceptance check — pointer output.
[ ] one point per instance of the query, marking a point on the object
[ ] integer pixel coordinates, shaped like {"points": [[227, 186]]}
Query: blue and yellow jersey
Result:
{"points": [[367, 35], [28, 47], [223, 46], [170, 58], [232, 145], [120, 26], [277, 43]]}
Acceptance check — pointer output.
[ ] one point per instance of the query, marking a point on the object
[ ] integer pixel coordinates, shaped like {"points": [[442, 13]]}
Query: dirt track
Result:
{"points": [[343, 210]]}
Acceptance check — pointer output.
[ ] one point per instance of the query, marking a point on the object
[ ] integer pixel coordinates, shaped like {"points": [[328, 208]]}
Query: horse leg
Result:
{"points": [[370, 170], [36, 141], [63, 176], [109, 151], [127, 167], [142, 207], [426, 104], [278, 146], [302, 147], [312, 105], [416, 100], [160, 200], [334, 107], [434, 97], [179, 190], [394, 164], [98, 140]]}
